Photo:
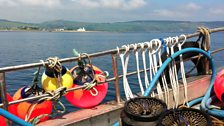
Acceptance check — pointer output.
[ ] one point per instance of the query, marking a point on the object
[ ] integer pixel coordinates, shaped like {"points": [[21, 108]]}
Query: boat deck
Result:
{"points": [[107, 114]]}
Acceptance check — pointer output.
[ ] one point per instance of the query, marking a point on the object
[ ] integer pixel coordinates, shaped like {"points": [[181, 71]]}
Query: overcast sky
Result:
{"points": [[111, 10]]}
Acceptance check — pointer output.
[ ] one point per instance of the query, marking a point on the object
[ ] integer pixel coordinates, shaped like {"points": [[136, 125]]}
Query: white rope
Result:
{"points": [[164, 82], [183, 70], [171, 73], [127, 89], [137, 67], [151, 69], [174, 69], [154, 46], [144, 64]]}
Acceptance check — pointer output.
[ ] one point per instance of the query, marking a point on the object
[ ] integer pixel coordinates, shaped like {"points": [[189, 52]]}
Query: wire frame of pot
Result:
{"points": [[184, 117]]}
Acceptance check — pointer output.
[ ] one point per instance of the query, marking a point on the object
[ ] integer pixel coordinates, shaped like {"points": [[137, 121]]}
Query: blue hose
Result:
{"points": [[168, 60], [116, 124], [194, 102], [14, 118]]}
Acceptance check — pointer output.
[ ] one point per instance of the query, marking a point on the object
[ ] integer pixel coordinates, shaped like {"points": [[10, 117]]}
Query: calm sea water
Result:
{"points": [[18, 48]]}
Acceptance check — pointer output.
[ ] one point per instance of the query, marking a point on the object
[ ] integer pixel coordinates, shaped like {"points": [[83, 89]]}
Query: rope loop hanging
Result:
{"points": [[143, 50], [163, 47], [170, 42], [154, 46], [182, 69], [135, 47], [124, 61]]}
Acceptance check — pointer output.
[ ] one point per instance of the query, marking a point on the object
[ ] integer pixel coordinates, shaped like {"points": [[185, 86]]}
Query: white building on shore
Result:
{"points": [[81, 29]]}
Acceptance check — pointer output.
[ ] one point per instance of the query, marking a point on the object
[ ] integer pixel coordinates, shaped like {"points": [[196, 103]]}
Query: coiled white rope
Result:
{"points": [[155, 61], [151, 70], [154, 46], [164, 82], [137, 67], [144, 64], [124, 62], [171, 71], [183, 70], [174, 40]]}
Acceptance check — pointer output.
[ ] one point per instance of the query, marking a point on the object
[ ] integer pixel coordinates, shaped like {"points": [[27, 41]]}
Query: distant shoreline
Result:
{"points": [[48, 31], [76, 31]]}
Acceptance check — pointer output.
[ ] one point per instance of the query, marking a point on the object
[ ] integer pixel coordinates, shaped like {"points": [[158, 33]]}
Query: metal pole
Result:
{"points": [[3, 94], [116, 81]]}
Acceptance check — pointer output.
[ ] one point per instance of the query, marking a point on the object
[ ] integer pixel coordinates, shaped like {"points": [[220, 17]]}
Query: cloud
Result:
{"points": [[42, 3], [216, 11], [7, 3], [192, 7], [46, 3], [169, 13], [181, 11], [115, 4]]}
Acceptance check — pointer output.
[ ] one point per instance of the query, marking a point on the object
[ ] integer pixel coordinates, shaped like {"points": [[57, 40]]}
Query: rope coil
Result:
{"points": [[206, 41], [54, 64], [84, 66]]}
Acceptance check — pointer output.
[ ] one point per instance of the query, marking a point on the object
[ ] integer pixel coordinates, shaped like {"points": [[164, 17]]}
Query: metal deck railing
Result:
{"points": [[115, 78]]}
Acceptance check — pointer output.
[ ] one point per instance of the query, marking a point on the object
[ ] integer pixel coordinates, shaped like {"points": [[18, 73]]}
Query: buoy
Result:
{"points": [[11, 109], [50, 82], [2, 121], [23, 108], [84, 98], [219, 85]]}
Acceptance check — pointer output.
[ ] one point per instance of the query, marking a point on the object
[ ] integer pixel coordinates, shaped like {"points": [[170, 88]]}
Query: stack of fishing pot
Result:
{"points": [[184, 117], [11, 109], [88, 75], [142, 111]]}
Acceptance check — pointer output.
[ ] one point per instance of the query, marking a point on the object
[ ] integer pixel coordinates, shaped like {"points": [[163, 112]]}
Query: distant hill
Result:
{"points": [[14, 25], [131, 26]]}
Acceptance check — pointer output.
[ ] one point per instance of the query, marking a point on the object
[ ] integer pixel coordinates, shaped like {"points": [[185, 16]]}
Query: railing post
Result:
{"points": [[3, 93], [116, 81], [205, 66]]}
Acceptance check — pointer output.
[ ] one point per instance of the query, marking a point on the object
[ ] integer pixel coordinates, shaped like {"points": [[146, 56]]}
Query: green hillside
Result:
{"points": [[13, 25], [131, 26], [134, 26]]}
